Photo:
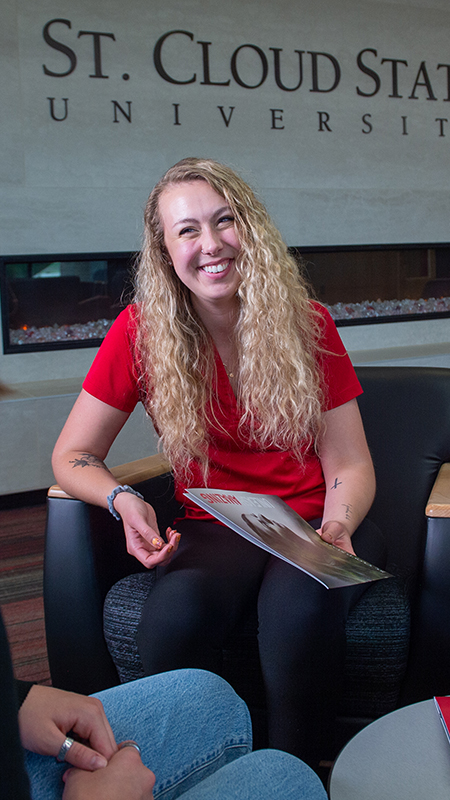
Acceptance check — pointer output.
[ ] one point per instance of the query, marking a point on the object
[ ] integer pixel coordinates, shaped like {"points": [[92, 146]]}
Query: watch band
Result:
{"points": [[117, 491]]}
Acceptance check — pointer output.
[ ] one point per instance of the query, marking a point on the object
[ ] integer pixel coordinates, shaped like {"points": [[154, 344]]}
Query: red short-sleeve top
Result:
{"points": [[234, 465]]}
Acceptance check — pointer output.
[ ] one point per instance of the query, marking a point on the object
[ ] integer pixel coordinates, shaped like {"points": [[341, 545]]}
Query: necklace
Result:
{"points": [[230, 374]]}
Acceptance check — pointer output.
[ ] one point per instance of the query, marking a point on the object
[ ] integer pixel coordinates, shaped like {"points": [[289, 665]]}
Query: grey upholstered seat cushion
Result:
{"points": [[377, 644], [121, 614], [378, 631]]}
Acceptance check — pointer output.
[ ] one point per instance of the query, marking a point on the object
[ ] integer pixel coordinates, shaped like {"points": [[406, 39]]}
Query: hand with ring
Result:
{"points": [[130, 743], [65, 747], [46, 716]]}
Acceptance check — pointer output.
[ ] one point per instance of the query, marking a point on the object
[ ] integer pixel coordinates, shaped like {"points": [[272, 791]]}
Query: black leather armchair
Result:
{"points": [[406, 413]]}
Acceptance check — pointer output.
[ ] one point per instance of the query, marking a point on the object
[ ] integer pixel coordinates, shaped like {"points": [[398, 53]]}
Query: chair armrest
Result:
{"points": [[85, 554], [132, 472], [429, 664], [73, 600], [439, 500]]}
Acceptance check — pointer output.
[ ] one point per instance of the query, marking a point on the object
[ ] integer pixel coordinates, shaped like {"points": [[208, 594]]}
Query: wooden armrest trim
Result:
{"points": [[141, 470], [56, 491], [439, 500], [133, 472]]}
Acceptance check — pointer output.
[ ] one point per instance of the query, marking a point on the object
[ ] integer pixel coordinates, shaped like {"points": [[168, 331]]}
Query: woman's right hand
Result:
{"points": [[124, 778], [78, 464], [141, 531]]}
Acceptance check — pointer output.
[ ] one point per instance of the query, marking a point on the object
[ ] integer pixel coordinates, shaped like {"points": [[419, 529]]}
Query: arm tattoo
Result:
{"points": [[88, 460], [348, 510], [336, 483]]}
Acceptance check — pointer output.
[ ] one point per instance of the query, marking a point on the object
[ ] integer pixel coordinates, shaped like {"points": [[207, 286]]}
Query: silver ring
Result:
{"points": [[130, 743], [65, 747]]}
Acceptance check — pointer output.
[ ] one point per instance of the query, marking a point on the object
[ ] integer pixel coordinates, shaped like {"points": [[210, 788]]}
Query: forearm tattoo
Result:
{"points": [[348, 506], [88, 460], [348, 510]]}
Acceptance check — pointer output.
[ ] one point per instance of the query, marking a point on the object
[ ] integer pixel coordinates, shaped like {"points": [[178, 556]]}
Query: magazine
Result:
{"points": [[443, 709], [270, 523]]}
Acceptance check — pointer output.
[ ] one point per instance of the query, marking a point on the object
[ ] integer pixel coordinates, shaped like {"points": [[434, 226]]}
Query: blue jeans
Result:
{"points": [[195, 735]]}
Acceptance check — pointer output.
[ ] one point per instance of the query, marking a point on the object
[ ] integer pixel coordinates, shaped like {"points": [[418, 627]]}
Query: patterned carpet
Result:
{"points": [[21, 562]]}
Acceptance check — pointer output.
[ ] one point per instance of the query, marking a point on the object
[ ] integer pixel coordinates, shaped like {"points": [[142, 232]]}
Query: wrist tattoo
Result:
{"points": [[348, 510], [88, 460]]}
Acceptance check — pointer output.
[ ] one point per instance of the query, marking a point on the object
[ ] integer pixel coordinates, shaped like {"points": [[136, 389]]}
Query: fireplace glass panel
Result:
{"points": [[62, 302], [379, 284]]}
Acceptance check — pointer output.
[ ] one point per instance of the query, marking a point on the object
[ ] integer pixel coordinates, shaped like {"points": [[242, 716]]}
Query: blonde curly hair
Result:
{"points": [[276, 334]]}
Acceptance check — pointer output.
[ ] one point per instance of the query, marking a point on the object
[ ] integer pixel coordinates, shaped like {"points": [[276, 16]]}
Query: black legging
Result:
{"points": [[201, 595]]}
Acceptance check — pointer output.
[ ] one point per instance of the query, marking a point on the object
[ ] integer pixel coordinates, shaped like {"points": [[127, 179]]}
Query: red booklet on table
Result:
{"points": [[443, 708]]}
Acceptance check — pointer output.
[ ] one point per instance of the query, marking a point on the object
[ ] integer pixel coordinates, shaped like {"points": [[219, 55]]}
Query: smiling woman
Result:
{"points": [[250, 388], [202, 243]]}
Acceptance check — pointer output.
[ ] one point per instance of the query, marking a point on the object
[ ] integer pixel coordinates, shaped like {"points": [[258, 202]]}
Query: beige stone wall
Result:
{"points": [[93, 111], [30, 422]]}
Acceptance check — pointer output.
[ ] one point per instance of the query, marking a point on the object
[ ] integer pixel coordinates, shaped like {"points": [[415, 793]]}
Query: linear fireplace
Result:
{"points": [[55, 302], [384, 283], [68, 301]]}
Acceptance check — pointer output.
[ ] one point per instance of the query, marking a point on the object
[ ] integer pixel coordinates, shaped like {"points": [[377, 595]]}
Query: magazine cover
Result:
{"points": [[270, 523]]}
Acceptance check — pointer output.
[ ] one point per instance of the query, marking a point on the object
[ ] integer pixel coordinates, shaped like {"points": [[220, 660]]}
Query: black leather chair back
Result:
{"points": [[406, 415]]}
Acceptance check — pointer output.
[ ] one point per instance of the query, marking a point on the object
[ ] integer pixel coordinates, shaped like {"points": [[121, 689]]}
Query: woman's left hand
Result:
{"points": [[335, 532]]}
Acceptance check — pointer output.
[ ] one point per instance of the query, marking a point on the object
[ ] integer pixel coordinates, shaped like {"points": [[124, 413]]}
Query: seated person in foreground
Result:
{"points": [[189, 727]]}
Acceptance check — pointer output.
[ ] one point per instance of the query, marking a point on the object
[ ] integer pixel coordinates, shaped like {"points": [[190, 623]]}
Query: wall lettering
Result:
{"points": [[65, 100], [59, 112], [277, 69], [118, 107], [176, 106], [67, 51], [226, 119], [441, 125], [181, 59], [250, 66], [96, 38], [324, 119], [366, 120], [277, 116]]}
